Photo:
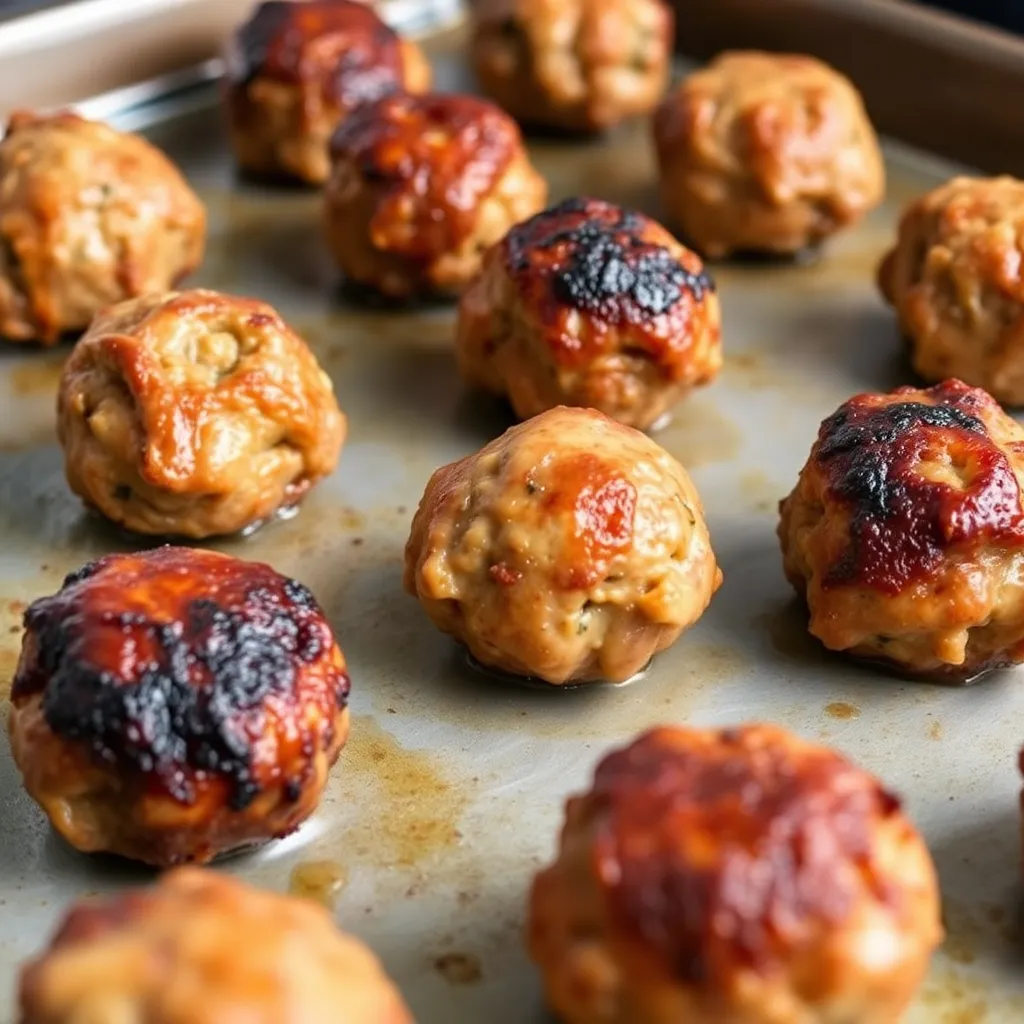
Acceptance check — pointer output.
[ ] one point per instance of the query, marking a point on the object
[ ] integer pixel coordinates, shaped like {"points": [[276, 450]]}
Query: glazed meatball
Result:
{"points": [[178, 704], [767, 153], [88, 216], [739, 876], [571, 549], [579, 65], [195, 414], [955, 281], [202, 948], [589, 304], [295, 71], [421, 186], [905, 532]]}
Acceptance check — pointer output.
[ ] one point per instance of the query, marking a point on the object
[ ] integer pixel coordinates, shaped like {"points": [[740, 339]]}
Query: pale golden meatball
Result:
{"points": [[203, 948], [195, 414], [954, 278], [421, 187], [579, 65], [88, 216], [739, 876], [762, 152], [592, 305], [571, 549], [177, 704], [905, 532], [295, 71]]}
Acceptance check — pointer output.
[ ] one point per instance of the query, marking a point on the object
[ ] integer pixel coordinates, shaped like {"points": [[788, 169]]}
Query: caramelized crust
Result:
{"points": [[765, 152], [88, 216], [571, 549], [175, 704], [203, 948], [590, 304], [906, 531], [195, 414], [734, 877]]}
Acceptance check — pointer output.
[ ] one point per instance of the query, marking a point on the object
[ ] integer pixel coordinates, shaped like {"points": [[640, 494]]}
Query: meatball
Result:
{"points": [[195, 414], [296, 71], [579, 65], [88, 216], [764, 152], [199, 948], [421, 186], [905, 532], [571, 549], [177, 704], [739, 876], [589, 304], [955, 281]]}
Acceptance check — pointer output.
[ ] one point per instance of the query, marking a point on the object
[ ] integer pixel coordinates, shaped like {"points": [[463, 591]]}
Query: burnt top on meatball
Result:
{"points": [[172, 663], [921, 476], [725, 846], [340, 43], [434, 158]]}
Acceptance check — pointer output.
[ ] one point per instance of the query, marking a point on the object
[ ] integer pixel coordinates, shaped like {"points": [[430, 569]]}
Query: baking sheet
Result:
{"points": [[449, 794]]}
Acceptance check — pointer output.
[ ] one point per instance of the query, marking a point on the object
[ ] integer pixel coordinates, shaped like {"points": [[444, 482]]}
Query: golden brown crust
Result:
{"points": [[765, 152], [580, 65], [571, 549], [195, 414], [589, 304], [176, 704], [88, 216], [202, 948], [296, 71], [739, 876], [905, 532], [421, 186]]}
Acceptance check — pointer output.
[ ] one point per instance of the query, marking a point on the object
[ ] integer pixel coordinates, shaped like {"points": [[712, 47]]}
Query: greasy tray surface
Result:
{"points": [[449, 794]]}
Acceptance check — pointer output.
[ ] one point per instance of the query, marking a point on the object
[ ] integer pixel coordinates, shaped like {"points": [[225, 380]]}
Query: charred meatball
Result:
{"points": [[297, 70], [88, 216], [421, 186], [199, 948], [955, 281], [589, 304], [739, 876], [579, 65], [194, 414], [571, 549], [905, 532], [765, 152], [178, 704]]}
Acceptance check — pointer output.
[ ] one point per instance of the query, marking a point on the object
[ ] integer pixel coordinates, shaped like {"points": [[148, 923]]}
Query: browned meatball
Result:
{"points": [[954, 278], [421, 187], [88, 216], [905, 532], [571, 549], [297, 70], [589, 304], [173, 705], [203, 948], [764, 152], [739, 876], [195, 414], [580, 65]]}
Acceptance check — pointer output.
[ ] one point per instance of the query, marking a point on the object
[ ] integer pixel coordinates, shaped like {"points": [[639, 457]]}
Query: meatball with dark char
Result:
{"points": [[178, 704], [905, 532], [590, 304], [297, 70], [734, 876], [421, 187]]}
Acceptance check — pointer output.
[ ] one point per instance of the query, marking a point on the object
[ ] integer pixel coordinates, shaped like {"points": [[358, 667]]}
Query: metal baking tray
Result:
{"points": [[449, 794]]}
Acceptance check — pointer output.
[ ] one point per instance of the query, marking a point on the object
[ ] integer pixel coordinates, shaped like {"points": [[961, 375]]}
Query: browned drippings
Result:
{"points": [[11, 613], [319, 880], [935, 730], [39, 376], [842, 711], [760, 492], [459, 968], [699, 435]]}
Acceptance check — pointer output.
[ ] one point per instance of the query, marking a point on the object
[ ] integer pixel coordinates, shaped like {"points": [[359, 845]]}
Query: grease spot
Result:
{"points": [[786, 627], [760, 493], [935, 729], [38, 376], [842, 711], [459, 968], [319, 880], [699, 435]]}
